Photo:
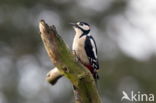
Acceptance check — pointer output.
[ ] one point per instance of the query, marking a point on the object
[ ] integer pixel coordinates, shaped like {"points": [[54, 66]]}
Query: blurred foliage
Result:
{"points": [[24, 62]]}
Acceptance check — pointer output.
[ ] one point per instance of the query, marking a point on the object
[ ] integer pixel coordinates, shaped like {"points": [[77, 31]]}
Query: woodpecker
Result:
{"points": [[84, 47]]}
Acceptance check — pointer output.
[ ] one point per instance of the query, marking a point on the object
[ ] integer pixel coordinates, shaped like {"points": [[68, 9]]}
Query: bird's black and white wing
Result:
{"points": [[91, 51]]}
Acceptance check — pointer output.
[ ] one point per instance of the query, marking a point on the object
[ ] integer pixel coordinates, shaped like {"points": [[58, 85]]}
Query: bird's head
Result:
{"points": [[81, 27]]}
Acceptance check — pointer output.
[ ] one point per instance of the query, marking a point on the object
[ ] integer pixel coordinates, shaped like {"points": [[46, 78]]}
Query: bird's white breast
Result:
{"points": [[79, 48]]}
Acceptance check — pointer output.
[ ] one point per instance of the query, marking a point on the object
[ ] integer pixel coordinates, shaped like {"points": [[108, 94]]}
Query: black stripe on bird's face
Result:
{"points": [[83, 23]]}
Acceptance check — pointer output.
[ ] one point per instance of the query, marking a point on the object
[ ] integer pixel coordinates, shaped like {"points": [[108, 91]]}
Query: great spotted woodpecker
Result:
{"points": [[84, 47]]}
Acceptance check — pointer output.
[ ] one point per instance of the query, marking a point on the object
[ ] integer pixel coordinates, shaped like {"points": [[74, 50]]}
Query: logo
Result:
{"points": [[138, 96]]}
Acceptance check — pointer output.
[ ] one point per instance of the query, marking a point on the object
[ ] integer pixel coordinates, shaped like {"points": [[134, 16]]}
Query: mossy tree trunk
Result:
{"points": [[60, 55]]}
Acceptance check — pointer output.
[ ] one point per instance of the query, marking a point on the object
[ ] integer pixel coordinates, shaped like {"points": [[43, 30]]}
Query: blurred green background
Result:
{"points": [[125, 31]]}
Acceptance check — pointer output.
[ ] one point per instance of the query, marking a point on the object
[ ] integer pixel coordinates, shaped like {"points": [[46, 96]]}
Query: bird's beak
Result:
{"points": [[73, 24]]}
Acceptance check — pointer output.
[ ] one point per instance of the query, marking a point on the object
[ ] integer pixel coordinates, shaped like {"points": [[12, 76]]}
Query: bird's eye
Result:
{"points": [[81, 24]]}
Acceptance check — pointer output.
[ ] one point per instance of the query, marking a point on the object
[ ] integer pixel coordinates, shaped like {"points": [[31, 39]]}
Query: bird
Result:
{"points": [[84, 47]]}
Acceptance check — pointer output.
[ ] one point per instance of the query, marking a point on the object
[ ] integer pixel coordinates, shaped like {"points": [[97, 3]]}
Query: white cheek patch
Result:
{"points": [[78, 31], [85, 27]]}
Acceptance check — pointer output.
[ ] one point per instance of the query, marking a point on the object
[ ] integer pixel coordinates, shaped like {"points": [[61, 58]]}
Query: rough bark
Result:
{"points": [[83, 83]]}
